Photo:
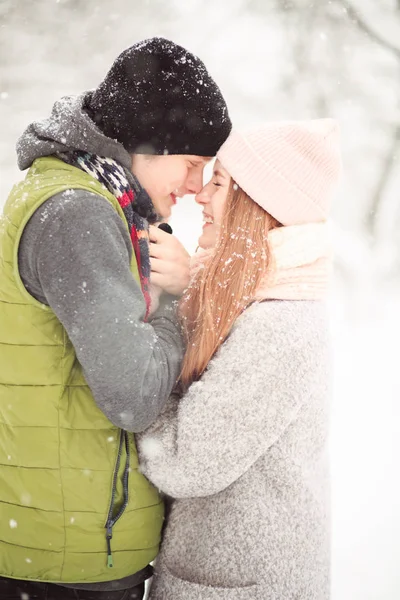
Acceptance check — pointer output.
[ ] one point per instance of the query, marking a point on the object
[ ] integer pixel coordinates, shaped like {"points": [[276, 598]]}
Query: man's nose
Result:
{"points": [[194, 183]]}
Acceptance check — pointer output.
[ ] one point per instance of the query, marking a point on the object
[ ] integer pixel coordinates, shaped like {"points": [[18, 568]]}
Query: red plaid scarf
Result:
{"points": [[134, 201]]}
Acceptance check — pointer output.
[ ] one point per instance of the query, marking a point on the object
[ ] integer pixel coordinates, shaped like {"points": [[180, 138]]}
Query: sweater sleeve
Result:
{"points": [[248, 397], [75, 256]]}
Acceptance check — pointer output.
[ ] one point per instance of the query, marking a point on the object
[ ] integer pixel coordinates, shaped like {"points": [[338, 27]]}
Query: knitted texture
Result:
{"points": [[244, 454], [300, 265], [137, 207], [289, 168], [158, 98]]}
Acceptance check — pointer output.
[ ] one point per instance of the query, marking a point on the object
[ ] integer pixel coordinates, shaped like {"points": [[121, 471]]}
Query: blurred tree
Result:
{"points": [[272, 58], [344, 60]]}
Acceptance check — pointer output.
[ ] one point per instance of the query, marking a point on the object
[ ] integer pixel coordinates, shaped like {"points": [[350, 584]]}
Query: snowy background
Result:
{"points": [[275, 59]]}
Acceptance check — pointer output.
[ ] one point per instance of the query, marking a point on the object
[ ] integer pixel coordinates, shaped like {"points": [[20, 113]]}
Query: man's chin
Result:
{"points": [[165, 213]]}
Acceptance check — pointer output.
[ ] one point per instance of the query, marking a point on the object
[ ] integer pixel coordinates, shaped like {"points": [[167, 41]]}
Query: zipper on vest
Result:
{"points": [[124, 439], [110, 562]]}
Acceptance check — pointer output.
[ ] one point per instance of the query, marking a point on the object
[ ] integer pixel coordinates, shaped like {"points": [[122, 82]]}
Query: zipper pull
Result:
{"points": [[110, 562]]}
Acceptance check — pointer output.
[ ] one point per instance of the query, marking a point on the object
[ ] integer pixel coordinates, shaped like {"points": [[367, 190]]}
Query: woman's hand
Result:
{"points": [[170, 262]]}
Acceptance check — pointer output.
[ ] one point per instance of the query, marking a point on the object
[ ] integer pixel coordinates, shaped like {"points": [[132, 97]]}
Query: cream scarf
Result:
{"points": [[300, 266]]}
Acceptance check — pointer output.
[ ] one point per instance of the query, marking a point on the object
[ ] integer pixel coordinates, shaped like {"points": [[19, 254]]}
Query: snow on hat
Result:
{"points": [[289, 168], [158, 98]]}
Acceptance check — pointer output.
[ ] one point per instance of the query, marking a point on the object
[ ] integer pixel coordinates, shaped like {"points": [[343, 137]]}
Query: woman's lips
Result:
{"points": [[174, 198], [209, 220]]}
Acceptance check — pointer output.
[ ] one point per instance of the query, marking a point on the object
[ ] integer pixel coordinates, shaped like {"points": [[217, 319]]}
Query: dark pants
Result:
{"points": [[13, 589]]}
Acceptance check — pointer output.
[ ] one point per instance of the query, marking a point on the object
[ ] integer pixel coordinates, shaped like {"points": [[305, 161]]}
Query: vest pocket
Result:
{"points": [[113, 516]]}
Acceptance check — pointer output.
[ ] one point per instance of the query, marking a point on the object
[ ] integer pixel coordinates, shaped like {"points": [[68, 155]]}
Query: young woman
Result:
{"points": [[243, 450]]}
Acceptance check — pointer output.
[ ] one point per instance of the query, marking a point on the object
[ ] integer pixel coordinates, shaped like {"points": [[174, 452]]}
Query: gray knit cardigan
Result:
{"points": [[244, 455]]}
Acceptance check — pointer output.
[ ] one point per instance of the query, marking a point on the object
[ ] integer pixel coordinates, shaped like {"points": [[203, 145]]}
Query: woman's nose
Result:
{"points": [[203, 196]]}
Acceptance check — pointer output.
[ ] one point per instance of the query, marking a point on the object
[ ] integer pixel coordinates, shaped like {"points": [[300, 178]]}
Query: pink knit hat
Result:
{"points": [[289, 168]]}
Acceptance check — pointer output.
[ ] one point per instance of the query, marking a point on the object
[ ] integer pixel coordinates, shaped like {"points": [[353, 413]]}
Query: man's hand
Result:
{"points": [[169, 261]]}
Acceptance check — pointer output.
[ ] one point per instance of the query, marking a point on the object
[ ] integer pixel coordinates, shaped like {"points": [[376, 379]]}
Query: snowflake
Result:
{"points": [[26, 499]]}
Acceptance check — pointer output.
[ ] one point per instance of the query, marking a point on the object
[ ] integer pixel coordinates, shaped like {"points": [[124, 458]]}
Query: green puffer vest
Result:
{"points": [[69, 479]]}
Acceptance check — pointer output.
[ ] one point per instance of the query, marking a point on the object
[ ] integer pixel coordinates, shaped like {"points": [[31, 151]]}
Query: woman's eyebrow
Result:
{"points": [[219, 173]]}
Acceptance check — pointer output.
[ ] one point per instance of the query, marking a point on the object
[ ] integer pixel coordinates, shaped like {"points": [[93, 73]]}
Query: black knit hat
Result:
{"points": [[158, 98]]}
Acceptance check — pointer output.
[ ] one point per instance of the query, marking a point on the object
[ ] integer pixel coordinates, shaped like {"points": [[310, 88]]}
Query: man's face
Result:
{"points": [[167, 178]]}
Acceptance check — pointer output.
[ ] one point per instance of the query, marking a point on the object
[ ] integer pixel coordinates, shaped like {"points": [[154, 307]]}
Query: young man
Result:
{"points": [[85, 361]]}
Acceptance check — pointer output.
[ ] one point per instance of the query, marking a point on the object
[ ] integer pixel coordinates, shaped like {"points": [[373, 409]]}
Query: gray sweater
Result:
{"points": [[75, 256], [244, 454]]}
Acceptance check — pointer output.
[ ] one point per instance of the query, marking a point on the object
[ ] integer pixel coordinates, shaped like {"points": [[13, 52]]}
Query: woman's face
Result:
{"points": [[212, 198]]}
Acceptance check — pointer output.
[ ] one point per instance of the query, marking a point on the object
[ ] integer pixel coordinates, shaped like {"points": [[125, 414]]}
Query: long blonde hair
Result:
{"points": [[228, 282]]}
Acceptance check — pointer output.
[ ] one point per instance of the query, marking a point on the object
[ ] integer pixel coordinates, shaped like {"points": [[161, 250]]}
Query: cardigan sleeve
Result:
{"points": [[248, 397]]}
